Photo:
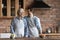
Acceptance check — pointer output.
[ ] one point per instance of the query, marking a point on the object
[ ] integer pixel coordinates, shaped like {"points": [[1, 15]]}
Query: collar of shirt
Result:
{"points": [[19, 18]]}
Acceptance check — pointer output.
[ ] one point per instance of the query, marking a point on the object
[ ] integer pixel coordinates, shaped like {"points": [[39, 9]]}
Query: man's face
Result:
{"points": [[21, 12], [30, 14]]}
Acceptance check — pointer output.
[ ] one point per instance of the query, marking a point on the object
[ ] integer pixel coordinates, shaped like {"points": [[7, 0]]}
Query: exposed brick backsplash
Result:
{"points": [[5, 25], [53, 3], [50, 17]]}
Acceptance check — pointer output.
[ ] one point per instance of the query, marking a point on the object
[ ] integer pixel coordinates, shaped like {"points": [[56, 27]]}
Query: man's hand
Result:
{"points": [[41, 36], [12, 36]]}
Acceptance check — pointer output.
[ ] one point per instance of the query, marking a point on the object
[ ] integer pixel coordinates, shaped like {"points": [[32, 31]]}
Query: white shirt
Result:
{"points": [[19, 28]]}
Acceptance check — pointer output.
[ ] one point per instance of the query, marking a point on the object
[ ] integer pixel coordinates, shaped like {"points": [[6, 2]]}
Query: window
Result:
{"points": [[10, 7], [4, 7]]}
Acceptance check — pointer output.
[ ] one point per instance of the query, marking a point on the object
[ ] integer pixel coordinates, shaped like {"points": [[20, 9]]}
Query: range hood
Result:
{"points": [[39, 4]]}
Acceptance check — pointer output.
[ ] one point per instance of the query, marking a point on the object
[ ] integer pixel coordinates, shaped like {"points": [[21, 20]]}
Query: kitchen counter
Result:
{"points": [[43, 36], [51, 35], [26, 39], [5, 35]]}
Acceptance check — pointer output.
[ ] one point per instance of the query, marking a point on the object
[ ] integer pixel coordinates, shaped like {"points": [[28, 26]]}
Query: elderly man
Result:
{"points": [[34, 26], [19, 25]]}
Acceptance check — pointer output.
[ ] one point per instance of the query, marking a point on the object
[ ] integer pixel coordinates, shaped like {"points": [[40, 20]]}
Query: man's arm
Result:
{"points": [[12, 27], [38, 24], [26, 29]]}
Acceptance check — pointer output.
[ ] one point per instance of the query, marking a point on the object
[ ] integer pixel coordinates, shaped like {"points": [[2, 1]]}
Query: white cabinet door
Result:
{"points": [[5, 35]]}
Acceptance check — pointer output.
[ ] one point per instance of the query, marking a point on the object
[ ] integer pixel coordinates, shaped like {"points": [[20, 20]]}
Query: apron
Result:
{"points": [[33, 31], [19, 30]]}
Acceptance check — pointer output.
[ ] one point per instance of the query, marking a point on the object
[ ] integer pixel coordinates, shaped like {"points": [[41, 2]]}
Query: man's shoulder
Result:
{"points": [[25, 17], [14, 18], [35, 17]]}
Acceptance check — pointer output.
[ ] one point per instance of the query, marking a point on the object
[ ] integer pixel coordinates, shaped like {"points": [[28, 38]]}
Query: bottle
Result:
{"points": [[49, 30], [12, 36]]}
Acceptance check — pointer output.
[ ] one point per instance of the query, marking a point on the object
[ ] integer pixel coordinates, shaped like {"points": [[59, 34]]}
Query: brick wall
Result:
{"points": [[50, 17], [5, 25], [28, 3], [53, 3]]}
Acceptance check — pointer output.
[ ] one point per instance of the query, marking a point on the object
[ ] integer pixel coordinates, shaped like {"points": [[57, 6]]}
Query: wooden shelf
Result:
{"points": [[7, 17]]}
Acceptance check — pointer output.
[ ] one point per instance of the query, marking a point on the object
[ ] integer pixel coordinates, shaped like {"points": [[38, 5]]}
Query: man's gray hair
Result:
{"points": [[20, 10]]}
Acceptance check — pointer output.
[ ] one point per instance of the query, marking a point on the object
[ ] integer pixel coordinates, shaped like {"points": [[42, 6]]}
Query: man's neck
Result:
{"points": [[20, 17], [31, 16]]}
